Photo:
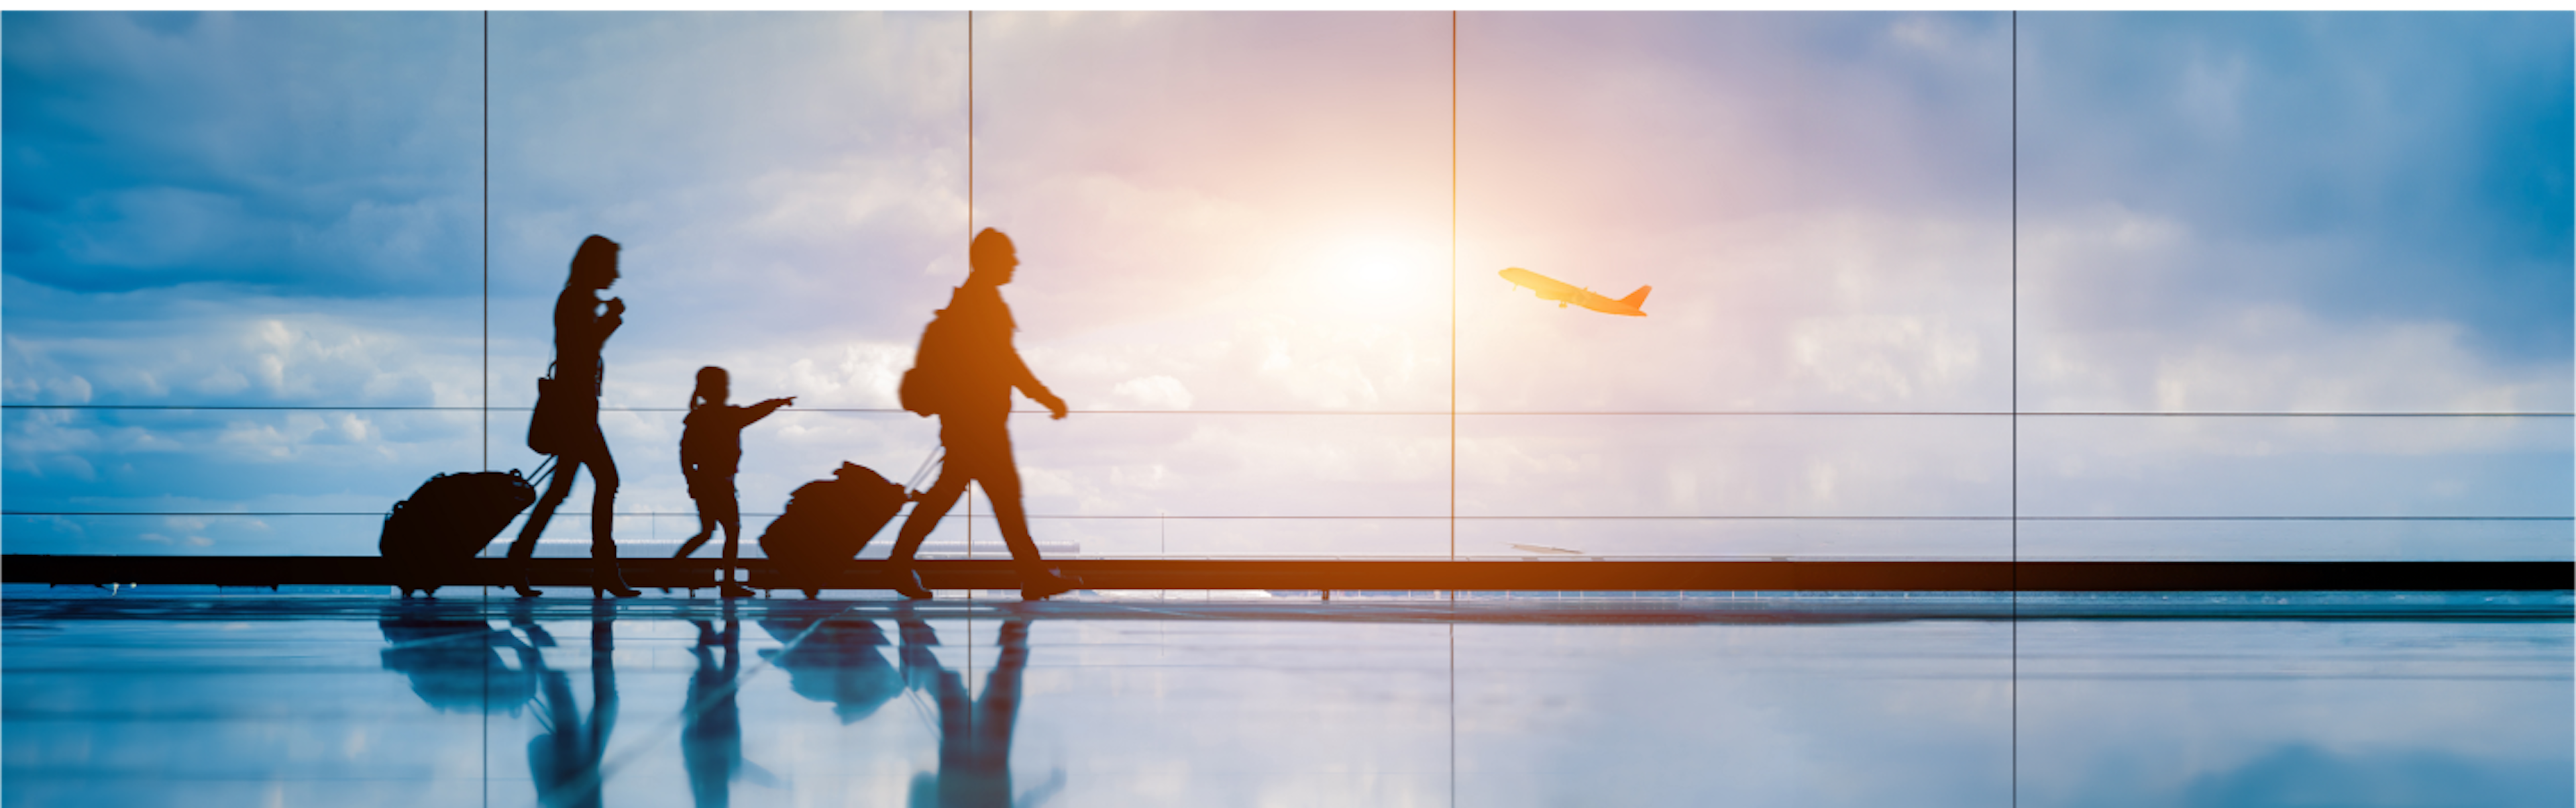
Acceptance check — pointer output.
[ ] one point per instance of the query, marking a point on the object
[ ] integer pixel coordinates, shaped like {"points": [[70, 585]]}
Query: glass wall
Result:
{"points": [[1922, 286], [2295, 287]]}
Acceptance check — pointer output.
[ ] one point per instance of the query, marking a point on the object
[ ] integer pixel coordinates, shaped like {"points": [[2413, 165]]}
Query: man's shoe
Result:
{"points": [[1052, 583], [909, 585], [737, 591]]}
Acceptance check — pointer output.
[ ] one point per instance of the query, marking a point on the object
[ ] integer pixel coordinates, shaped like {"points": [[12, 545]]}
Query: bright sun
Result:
{"points": [[1377, 268], [1381, 280]]}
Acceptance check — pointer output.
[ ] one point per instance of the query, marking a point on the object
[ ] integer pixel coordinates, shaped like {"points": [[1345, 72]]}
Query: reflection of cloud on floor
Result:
{"points": [[2306, 774]]}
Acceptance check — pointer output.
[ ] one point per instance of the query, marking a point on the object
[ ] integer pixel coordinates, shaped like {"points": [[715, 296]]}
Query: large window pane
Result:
{"points": [[242, 211]]}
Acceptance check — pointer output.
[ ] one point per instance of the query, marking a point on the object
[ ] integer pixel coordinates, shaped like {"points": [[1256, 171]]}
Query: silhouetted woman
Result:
{"points": [[570, 413], [564, 758], [710, 453]]}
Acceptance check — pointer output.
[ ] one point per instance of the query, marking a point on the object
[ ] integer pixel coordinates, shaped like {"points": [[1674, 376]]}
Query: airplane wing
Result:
{"points": [[1545, 287]]}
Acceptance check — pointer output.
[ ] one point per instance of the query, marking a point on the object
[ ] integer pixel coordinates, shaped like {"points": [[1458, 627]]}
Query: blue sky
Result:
{"points": [[1240, 212]]}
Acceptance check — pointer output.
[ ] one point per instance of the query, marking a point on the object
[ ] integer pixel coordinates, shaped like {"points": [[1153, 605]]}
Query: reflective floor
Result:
{"points": [[194, 697]]}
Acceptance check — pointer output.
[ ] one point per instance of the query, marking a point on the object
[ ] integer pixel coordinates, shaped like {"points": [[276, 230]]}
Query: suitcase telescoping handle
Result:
{"points": [[538, 477], [918, 485]]}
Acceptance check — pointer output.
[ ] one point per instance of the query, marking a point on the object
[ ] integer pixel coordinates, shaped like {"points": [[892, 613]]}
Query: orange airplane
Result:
{"points": [[1552, 289]]}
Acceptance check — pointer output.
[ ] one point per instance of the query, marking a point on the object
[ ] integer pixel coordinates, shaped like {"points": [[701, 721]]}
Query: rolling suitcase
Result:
{"points": [[447, 521], [827, 522]]}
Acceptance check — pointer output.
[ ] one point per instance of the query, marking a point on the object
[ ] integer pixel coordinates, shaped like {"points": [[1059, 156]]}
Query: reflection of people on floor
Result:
{"points": [[711, 732], [975, 371], [453, 657], [564, 758], [836, 664], [974, 736], [710, 454], [570, 430]]}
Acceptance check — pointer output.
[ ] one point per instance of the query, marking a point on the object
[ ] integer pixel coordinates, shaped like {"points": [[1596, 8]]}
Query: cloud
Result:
{"points": [[2115, 325], [1155, 392], [223, 151], [2365, 167], [277, 353]]}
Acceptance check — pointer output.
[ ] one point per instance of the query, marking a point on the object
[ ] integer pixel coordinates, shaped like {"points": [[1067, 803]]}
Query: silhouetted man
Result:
{"points": [[974, 735], [975, 402]]}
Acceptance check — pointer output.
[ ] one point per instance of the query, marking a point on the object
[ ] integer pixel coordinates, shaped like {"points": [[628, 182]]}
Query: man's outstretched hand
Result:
{"points": [[1054, 405]]}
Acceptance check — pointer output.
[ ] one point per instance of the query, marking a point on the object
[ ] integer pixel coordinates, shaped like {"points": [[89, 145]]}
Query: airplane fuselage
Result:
{"points": [[1564, 293]]}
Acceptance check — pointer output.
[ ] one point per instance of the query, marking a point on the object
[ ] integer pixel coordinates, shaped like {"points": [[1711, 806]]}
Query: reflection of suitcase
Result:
{"points": [[827, 522], [448, 520]]}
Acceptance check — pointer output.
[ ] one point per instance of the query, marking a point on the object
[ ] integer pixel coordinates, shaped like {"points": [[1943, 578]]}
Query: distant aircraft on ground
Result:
{"points": [[1541, 548], [1552, 289]]}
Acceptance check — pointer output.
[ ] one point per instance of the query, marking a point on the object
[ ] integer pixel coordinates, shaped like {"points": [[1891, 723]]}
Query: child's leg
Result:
{"points": [[706, 530], [723, 507], [733, 543]]}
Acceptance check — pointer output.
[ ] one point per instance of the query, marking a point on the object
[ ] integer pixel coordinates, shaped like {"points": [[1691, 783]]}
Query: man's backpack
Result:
{"points": [[930, 387]]}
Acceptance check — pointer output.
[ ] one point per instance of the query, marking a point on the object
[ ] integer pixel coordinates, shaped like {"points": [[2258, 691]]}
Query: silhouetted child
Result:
{"points": [[710, 453]]}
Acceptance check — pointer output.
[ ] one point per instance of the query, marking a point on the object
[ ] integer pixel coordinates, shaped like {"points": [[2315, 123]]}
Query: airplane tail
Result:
{"points": [[1637, 299]]}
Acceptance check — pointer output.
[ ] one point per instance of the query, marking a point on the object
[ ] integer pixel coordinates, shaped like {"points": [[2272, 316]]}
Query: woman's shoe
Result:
{"points": [[909, 585], [611, 583], [522, 586]]}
